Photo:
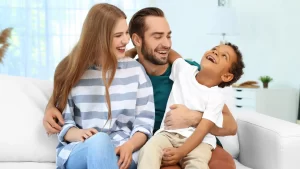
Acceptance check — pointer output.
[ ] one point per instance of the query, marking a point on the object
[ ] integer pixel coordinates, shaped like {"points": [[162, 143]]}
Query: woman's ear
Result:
{"points": [[136, 40]]}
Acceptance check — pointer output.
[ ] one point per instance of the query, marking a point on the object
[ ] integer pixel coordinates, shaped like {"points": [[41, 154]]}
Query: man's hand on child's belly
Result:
{"points": [[181, 117]]}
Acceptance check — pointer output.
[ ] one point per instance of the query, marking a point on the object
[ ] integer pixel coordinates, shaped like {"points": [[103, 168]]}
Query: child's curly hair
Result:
{"points": [[236, 67]]}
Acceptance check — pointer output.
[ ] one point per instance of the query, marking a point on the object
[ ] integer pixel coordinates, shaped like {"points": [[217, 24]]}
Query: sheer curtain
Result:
{"points": [[44, 31]]}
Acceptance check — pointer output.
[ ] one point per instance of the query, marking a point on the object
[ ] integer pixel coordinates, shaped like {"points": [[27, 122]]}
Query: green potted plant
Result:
{"points": [[265, 80]]}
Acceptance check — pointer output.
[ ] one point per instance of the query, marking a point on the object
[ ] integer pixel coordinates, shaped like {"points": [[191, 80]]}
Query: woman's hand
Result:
{"points": [[75, 134], [125, 153]]}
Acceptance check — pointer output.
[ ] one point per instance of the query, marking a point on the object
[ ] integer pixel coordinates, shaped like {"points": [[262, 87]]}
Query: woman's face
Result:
{"points": [[120, 38]]}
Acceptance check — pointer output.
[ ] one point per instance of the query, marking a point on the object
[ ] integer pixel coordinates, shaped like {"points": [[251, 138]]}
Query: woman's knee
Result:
{"points": [[99, 138], [99, 141]]}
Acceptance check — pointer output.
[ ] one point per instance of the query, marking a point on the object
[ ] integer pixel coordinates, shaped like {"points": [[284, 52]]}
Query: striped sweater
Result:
{"points": [[132, 104]]}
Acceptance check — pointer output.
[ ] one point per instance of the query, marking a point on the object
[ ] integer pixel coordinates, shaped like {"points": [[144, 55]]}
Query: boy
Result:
{"points": [[197, 90]]}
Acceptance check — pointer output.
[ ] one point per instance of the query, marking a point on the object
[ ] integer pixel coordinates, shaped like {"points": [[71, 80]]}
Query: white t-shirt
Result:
{"points": [[187, 91]]}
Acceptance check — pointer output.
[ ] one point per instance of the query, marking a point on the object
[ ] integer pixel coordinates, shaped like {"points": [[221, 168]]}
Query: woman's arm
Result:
{"points": [[69, 132], [145, 112], [137, 140]]}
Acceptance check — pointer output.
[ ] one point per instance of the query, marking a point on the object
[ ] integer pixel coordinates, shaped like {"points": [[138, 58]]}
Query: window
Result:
{"points": [[45, 31]]}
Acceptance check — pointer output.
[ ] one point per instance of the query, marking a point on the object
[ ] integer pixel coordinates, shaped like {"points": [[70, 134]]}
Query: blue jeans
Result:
{"points": [[97, 152]]}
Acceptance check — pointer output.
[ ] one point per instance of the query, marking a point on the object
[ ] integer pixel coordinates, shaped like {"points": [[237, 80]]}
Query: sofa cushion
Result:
{"points": [[22, 105]]}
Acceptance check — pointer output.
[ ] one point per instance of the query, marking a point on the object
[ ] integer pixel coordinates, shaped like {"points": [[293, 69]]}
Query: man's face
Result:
{"points": [[219, 59], [156, 43]]}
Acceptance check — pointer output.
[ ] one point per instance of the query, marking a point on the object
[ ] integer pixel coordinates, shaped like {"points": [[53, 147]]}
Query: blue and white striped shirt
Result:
{"points": [[132, 104]]}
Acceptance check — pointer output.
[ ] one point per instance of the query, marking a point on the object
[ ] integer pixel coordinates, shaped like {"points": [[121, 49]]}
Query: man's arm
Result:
{"points": [[52, 114], [182, 117], [50, 103]]}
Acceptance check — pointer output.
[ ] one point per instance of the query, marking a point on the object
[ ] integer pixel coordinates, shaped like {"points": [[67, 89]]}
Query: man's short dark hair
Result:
{"points": [[137, 22], [236, 67]]}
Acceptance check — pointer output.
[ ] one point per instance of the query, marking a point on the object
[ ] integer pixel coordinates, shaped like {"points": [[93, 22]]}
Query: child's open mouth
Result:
{"points": [[210, 58]]}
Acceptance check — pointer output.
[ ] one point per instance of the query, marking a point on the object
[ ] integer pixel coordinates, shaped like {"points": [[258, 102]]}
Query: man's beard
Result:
{"points": [[149, 55]]}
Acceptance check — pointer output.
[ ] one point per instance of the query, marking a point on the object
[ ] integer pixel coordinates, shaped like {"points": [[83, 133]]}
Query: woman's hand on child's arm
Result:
{"points": [[229, 124], [74, 134], [181, 117], [173, 55], [131, 53]]}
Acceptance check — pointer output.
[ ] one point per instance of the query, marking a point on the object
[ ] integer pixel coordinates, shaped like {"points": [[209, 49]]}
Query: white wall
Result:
{"points": [[187, 19], [269, 35], [269, 38]]}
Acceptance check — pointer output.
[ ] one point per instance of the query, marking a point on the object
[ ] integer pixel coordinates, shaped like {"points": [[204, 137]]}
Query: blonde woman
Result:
{"points": [[106, 99]]}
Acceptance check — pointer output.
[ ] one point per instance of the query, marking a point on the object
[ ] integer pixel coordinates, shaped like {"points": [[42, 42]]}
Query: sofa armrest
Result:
{"points": [[267, 142]]}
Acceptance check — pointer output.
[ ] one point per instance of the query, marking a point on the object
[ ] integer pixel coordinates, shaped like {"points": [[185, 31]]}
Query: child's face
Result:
{"points": [[219, 60]]}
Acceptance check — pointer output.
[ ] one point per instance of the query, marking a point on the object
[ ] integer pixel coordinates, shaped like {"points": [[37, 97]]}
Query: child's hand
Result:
{"points": [[125, 153], [84, 134], [171, 156]]}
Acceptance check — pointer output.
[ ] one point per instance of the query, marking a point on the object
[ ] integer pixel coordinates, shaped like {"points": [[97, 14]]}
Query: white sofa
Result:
{"points": [[262, 142]]}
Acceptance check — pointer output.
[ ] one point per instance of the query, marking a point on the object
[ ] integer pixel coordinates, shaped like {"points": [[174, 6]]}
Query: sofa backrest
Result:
{"points": [[22, 105], [23, 138]]}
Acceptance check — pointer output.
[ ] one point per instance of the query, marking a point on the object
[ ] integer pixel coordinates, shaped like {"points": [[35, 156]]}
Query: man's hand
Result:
{"points": [[171, 156], [125, 153], [181, 117], [51, 119]]}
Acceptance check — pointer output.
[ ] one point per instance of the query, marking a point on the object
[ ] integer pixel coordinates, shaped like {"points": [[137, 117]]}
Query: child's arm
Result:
{"points": [[131, 53], [173, 55], [210, 118], [229, 124], [197, 137]]}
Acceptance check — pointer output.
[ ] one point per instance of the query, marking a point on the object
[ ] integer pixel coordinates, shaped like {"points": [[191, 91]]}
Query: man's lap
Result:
{"points": [[220, 159]]}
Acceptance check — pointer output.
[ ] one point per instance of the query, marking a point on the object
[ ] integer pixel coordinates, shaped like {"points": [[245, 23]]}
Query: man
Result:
{"points": [[151, 35]]}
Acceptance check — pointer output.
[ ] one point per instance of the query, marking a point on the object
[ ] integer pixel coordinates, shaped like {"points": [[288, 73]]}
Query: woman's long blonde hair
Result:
{"points": [[93, 48]]}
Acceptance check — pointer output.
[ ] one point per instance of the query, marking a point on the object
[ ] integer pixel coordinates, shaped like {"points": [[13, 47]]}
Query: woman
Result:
{"points": [[106, 99]]}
